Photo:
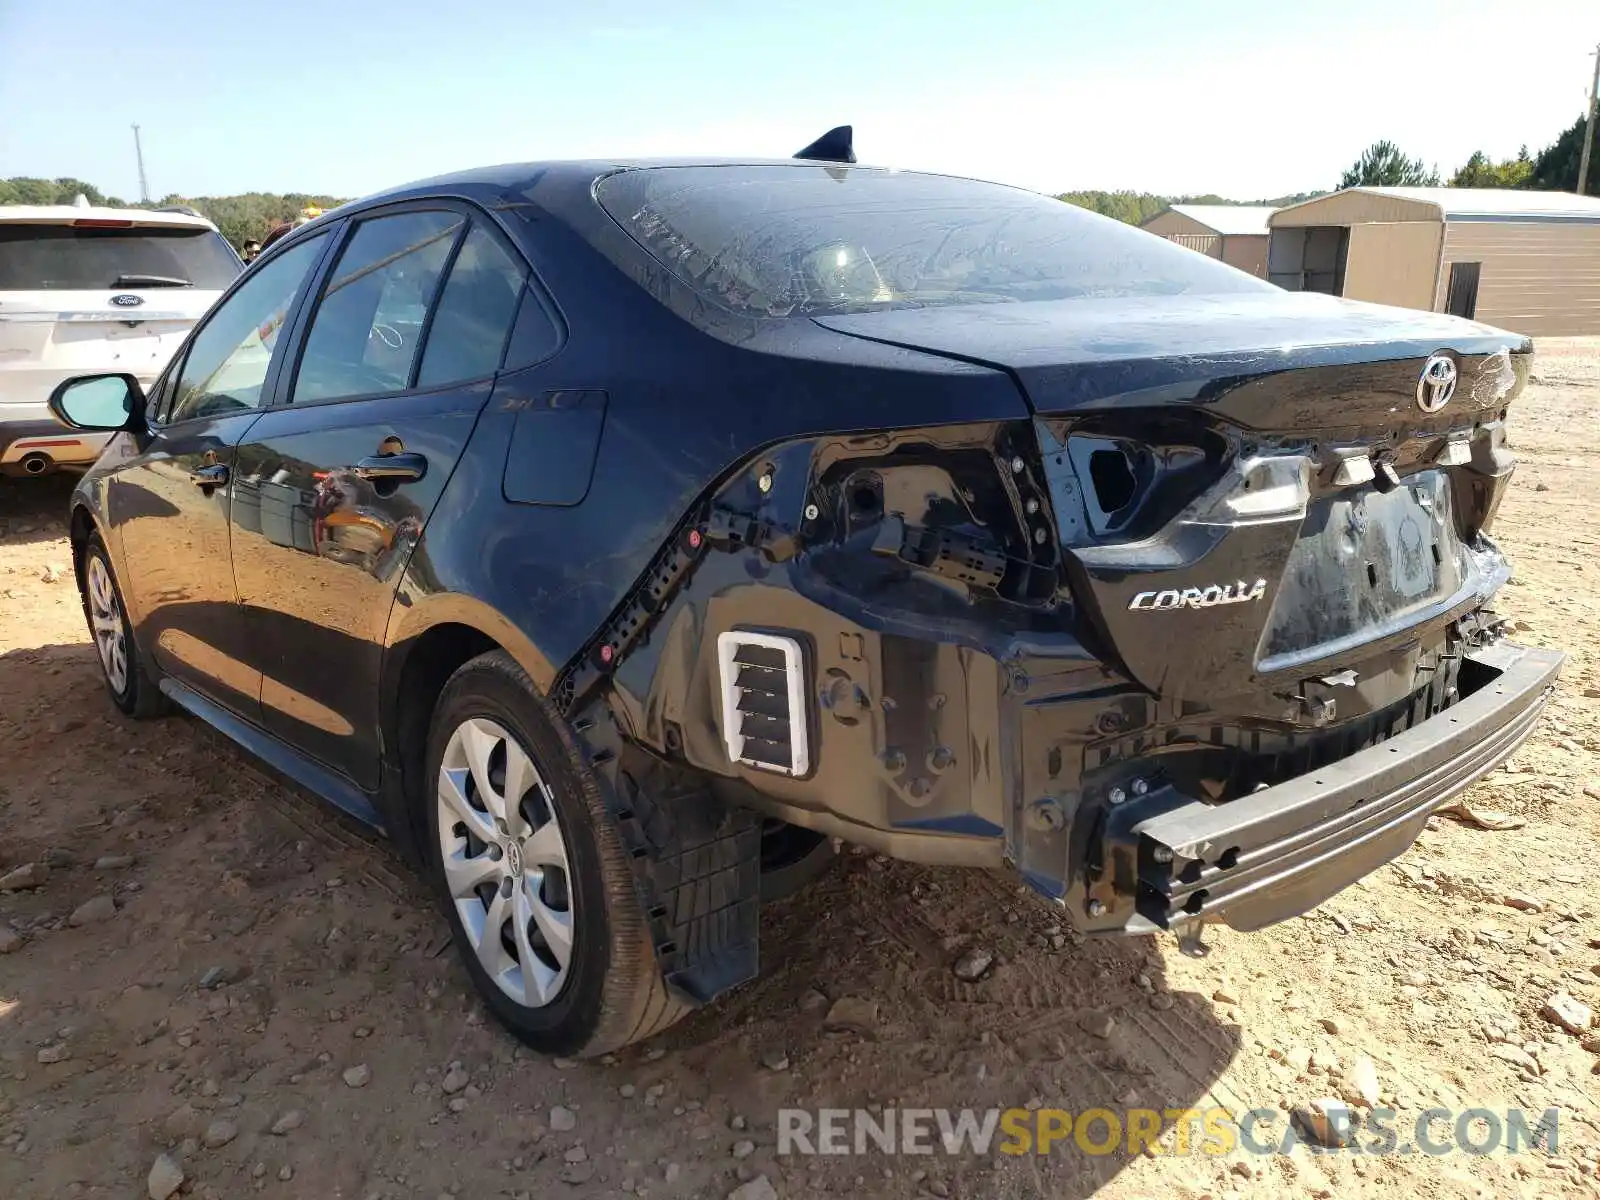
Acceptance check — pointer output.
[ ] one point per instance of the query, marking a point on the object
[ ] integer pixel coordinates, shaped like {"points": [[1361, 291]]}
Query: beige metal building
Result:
{"points": [[1525, 261], [1235, 233]]}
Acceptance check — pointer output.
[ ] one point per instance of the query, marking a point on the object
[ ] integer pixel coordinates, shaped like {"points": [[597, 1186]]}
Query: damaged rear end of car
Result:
{"points": [[1204, 631], [1277, 542]]}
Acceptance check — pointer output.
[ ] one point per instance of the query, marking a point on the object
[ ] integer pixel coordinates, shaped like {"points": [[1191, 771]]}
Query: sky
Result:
{"points": [[1245, 98]]}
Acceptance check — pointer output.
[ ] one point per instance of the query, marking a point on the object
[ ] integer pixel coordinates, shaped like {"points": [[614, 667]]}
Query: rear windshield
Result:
{"points": [[79, 258], [811, 240]]}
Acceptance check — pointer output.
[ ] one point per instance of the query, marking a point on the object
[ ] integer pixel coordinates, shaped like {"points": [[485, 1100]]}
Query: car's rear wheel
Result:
{"points": [[132, 686], [537, 888]]}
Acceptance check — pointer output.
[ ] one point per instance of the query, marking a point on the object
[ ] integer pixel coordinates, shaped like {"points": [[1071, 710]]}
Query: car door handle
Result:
{"points": [[208, 477], [405, 467]]}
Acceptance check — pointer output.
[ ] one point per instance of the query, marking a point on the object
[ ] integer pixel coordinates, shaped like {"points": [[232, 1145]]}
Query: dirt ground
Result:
{"points": [[259, 949]]}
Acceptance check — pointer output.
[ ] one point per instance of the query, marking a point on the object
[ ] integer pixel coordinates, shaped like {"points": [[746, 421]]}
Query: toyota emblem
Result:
{"points": [[1438, 383]]}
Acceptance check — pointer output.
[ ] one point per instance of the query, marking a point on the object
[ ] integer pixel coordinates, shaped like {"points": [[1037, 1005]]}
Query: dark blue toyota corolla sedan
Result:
{"points": [[616, 536]]}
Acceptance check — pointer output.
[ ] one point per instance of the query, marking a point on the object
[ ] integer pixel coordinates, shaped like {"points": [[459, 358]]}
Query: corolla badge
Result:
{"points": [[127, 301], [1438, 383], [1194, 597]]}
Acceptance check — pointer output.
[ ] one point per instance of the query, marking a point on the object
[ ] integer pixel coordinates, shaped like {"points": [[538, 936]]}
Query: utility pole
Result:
{"points": [[144, 187], [1588, 127]]}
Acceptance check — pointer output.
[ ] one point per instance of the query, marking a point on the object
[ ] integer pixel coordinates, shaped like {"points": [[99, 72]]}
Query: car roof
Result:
{"points": [[519, 176], [562, 186], [70, 214], [513, 174]]}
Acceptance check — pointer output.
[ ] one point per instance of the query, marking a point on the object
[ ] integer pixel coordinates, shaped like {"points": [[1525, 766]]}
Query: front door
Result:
{"points": [[335, 483], [168, 508]]}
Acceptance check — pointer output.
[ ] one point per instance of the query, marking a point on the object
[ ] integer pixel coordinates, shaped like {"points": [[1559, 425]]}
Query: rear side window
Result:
{"points": [[473, 319], [805, 239], [88, 258], [369, 321]]}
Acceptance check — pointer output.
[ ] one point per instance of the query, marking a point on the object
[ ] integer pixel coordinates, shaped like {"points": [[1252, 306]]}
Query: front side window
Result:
{"points": [[369, 320], [160, 398], [809, 240], [228, 358]]}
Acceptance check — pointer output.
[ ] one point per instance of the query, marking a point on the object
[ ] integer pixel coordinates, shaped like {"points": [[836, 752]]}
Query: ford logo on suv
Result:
{"points": [[127, 301]]}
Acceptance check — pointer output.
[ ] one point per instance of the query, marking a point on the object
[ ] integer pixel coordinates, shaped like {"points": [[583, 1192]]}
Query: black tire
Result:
{"points": [[139, 696], [613, 992], [791, 857]]}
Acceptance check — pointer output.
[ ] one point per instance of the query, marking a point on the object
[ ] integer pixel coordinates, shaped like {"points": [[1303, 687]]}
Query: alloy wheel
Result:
{"points": [[505, 862], [107, 625]]}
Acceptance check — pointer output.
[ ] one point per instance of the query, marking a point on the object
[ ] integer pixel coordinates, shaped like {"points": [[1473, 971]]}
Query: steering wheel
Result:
{"points": [[386, 332]]}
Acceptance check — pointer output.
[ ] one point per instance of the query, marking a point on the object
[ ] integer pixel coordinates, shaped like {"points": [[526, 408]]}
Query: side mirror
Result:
{"points": [[99, 403]]}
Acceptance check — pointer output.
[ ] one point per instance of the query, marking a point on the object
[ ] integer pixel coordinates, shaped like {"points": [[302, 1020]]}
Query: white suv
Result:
{"points": [[87, 289]]}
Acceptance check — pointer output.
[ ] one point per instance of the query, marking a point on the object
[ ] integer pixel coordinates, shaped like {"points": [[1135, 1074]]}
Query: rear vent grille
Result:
{"points": [[764, 701]]}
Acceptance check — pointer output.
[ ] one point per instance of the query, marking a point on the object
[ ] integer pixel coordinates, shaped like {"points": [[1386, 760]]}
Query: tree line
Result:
{"points": [[239, 218], [1138, 207], [1553, 169], [1384, 164]]}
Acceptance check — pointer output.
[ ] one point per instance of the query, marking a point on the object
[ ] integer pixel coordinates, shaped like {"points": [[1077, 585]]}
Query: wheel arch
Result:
{"points": [[429, 642], [80, 527]]}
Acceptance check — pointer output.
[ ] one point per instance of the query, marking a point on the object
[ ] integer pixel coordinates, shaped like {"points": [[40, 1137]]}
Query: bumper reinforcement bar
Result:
{"points": [[1281, 851]]}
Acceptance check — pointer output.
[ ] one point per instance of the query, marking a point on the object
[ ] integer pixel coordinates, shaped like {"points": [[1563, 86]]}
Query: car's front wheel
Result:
{"points": [[536, 884], [132, 686]]}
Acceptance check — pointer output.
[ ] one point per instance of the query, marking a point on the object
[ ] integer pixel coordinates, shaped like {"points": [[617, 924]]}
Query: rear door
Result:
{"points": [[167, 505], [101, 294], [336, 482]]}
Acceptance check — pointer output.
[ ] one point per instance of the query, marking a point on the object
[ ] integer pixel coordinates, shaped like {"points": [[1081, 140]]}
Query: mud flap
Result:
{"points": [[697, 869]]}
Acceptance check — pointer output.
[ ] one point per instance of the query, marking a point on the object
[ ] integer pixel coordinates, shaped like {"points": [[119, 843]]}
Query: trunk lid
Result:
{"points": [[1082, 355], [1249, 495]]}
